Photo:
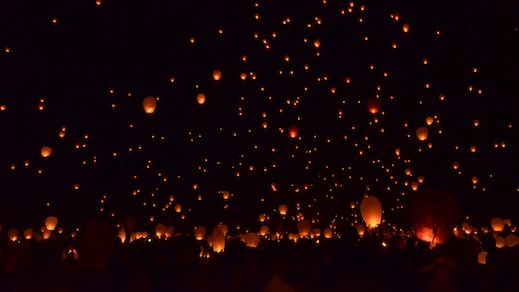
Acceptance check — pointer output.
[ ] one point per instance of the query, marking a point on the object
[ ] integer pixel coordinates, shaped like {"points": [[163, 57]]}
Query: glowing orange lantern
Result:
{"points": [[371, 211], [200, 98], [373, 105], [422, 133], [292, 131], [217, 75], [51, 222], [45, 151], [149, 104]]}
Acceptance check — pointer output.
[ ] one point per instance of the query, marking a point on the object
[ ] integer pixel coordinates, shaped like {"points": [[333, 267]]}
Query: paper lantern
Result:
{"points": [[498, 224], [434, 214], [250, 239], [328, 233], [373, 105], [482, 258], [304, 228], [149, 104], [371, 211], [293, 131], [217, 75], [283, 210], [264, 230], [511, 240], [217, 239], [429, 120], [27, 233], [200, 98], [160, 229], [51, 222], [500, 242], [422, 133], [45, 151], [13, 234], [405, 27], [200, 232]]}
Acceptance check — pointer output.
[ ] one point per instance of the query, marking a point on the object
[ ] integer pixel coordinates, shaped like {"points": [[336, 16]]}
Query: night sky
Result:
{"points": [[83, 68]]}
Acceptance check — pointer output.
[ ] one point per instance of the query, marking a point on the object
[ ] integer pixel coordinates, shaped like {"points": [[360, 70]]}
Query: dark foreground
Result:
{"points": [[332, 265]]}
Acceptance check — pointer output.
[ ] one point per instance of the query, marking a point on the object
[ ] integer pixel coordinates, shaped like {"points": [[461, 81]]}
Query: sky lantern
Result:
{"points": [[45, 151], [51, 222], [27, 233], [160, 229], [250, 239], [422, 133], [371, 211], [149, 104], [283, 209], [217, 75], [511, 240], [13, 234], [328, 233], [293, 131], [218, 239], [226, 195], [434, 214], [498, 224], [304, 228], [373, 105], [361, 229], [500, 242], [405, 27], [264, 230], [482, 257], [200, 98], [429, 120], [200, 232]]}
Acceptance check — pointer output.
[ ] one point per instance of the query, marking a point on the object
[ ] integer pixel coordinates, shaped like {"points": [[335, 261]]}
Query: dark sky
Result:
{"points": [[94, 64]]}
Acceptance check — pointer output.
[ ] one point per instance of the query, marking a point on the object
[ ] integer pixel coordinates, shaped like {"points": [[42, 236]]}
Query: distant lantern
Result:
{"points": [[482, 257], [434, 214], [498, 224], [373, 105], [283, 210], [328, 233], [217, 75], [500, 242], [293, 131], [361, 229], [511, 240], [149, 104], [250, 239], [414, 186], [420, 179], [200, 232], [200, 98], [264, 230], [46, 151], [317, 43], [422, 133], [405, 27], [13, 234], [178, 208], [429, 120], [474, 179], [371, 211], [160, 230], [218, 239], [27, 233], [226, 195], [304, 228], [51, 222]]}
